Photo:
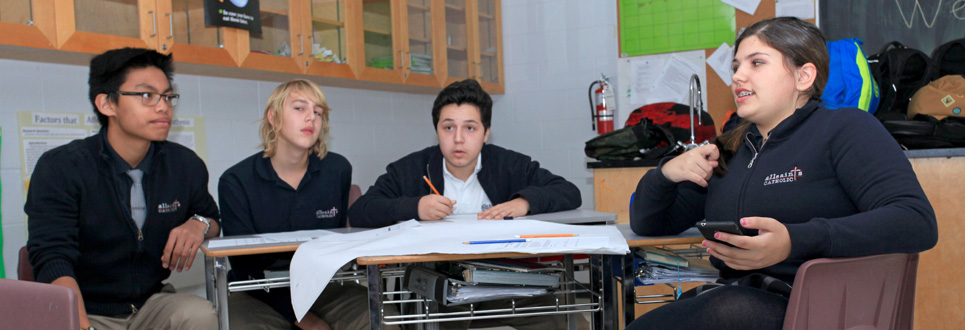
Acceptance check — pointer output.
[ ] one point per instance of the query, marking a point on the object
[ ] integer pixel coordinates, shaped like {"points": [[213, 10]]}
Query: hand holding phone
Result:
{"points": [[709, 228]]}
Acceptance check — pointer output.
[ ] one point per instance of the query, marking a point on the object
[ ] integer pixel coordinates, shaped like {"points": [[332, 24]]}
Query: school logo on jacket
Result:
{"points": [[326, 214], [168, 208], [790, 176]]}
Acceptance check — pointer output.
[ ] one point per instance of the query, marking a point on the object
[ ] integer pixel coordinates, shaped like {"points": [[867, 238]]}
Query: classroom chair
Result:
{"points": [[32, 305], [24, 269], [874, 292]]}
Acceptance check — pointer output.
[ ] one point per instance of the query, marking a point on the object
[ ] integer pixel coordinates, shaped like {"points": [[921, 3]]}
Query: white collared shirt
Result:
{"points": [[469, 195]]}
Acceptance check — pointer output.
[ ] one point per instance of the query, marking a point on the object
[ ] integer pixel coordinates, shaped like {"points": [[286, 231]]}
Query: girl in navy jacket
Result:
{"points": [[804, 181]]}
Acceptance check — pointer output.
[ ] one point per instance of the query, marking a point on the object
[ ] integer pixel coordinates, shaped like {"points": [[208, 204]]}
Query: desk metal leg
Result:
{"points": [[216, 287], [569, 298], [611, 299], [629, 288], [375, 296]]}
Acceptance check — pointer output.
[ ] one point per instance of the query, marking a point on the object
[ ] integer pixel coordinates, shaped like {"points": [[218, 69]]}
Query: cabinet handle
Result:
{"points": [[170, 25], [153, 23], [479, 71], [301, 44], [402, 59]]}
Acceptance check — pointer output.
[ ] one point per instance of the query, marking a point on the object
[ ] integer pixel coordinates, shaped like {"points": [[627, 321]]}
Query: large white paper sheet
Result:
{"points": [[315, 262]]}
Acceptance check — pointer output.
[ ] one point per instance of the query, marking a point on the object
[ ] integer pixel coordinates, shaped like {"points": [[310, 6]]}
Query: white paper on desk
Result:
{"points": [[562, 243], [674, 80], [316, 262], [722, 62], [271, 238], [747, 6], [803, 9]]}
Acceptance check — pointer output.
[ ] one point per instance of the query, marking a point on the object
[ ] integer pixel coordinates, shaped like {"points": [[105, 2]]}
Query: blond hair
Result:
{"points": [[276, 102]]}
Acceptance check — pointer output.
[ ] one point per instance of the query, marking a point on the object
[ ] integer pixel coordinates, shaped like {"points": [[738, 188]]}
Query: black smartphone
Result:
{"points": [[709, 228]]}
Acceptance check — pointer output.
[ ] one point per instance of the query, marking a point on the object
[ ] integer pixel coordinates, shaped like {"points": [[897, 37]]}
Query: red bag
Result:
{"points": [[678, 116]]}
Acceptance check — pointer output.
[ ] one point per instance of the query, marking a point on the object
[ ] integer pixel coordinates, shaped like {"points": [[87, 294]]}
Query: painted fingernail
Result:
{"points": [[704, 243], [708, 250], [716, 235], [744, 221]]}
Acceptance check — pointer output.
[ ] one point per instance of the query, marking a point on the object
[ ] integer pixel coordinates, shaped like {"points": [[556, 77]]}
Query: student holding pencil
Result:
{"points": [[295, 183], [804, 181], [462, 174]]}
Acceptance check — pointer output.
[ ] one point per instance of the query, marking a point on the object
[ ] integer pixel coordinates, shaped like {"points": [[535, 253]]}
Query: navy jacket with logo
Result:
{"points": [[505, 175], [835, 178], [78, 228], [254, 200]]}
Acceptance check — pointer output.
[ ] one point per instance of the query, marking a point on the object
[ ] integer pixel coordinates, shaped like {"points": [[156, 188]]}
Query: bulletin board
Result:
{"points": [[661, 26], [717, 93]]}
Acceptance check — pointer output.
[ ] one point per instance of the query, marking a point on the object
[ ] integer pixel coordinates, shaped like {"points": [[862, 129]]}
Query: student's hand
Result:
{"points": [[514, 208], [435, 207], [696, 165], [771, 245], [313, 322], [182, 246]]}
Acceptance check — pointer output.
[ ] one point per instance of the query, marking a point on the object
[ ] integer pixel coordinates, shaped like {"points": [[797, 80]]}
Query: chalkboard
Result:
{"points": [[919, 24]]}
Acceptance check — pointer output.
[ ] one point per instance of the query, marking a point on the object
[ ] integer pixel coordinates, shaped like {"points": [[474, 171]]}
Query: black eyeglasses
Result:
{"points": [[152, 99]]}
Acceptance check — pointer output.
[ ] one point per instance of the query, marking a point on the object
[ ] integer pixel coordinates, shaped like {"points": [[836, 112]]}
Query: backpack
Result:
{"points": [[927, 132], [643, 140], [850, 83], [940, 98], [900, 71], [678, 117], [949, 59]]}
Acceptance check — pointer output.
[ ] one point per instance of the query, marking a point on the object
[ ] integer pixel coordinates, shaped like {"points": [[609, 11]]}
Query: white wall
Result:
{"points": [[553, 50]]}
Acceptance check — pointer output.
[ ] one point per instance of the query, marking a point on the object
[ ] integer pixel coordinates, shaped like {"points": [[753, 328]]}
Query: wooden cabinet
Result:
{"points": [[374, 43]]}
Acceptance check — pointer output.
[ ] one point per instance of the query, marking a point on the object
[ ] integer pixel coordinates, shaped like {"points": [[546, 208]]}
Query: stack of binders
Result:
{"points": [[482, 280]]}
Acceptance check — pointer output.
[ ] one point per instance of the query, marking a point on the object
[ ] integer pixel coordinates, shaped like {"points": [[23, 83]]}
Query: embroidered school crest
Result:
{"points": [[326, 214], [790, 176], [168, 208]]}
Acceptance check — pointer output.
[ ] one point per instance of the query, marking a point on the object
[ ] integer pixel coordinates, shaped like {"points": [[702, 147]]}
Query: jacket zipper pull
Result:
{"points": [[752, 160], [140, 235], [133, 309]]}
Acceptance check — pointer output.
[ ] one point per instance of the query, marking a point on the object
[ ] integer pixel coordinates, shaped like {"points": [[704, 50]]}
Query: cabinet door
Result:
{"points": [[458, 36], [420, 28], [96, 26], [281, 43], [489, 58], [184, 34], [380, 50], [329, 55], [27, 23]]}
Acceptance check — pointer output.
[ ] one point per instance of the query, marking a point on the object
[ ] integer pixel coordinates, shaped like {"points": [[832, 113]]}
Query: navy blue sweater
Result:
{"points": [[835, 178], [254, 200], [505, 175], [79, 228]]}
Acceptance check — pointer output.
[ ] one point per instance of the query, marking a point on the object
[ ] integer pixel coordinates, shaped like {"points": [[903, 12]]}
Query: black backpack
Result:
{"points": [[927, 132], [641, 140], [948, 59], [900, 71]]}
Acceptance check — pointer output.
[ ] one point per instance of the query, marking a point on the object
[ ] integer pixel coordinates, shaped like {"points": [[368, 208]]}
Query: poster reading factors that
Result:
{"points": [[242, 14]]}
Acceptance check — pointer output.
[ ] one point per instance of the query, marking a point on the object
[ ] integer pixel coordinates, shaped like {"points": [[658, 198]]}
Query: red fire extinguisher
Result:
{"points": [[602, 105]]}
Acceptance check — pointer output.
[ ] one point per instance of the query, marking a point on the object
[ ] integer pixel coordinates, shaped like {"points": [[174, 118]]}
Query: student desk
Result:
{"points": [[216, 262], [690, 236]]}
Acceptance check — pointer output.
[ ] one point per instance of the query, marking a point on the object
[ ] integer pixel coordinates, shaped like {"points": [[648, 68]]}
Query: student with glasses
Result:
{"points": [[112, 215]]}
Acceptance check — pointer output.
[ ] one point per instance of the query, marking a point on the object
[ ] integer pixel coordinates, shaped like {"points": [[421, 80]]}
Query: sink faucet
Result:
{"points": [[694, 99]]}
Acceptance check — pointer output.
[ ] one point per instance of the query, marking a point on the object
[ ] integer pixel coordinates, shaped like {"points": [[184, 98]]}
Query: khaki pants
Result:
{"points": [[164, 310], [343, 307]]}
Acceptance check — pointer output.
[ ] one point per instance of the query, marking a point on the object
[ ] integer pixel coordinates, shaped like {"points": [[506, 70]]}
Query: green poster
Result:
{"points": [[663, 26]]}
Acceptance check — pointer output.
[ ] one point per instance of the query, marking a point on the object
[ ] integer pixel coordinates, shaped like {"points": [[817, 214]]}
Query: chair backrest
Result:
{"points": [[24, 269], [354, 193], [875, 292], [32, 305]]}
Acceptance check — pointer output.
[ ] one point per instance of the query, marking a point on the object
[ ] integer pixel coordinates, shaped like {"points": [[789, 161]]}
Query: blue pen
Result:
{"points": [[497, 241]]}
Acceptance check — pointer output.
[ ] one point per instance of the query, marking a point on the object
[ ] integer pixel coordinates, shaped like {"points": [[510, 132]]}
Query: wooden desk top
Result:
{"points": [[689, 236]]}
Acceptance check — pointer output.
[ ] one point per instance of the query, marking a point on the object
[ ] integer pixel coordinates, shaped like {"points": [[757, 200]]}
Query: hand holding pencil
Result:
{"points": [[434, 206]]}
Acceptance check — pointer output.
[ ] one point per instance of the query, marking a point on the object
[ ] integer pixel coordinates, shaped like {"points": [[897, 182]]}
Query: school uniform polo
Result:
{"points": [[469, 195], [255, 200]]}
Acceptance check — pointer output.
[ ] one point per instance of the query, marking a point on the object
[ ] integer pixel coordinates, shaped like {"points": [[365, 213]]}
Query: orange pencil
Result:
{"points": [[430, 185], [547, 235]]}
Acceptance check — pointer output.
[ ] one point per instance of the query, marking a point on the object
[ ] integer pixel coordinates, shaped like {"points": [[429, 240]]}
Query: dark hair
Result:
{"points": [[464, 92], [800, 43], [108, 71]]}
